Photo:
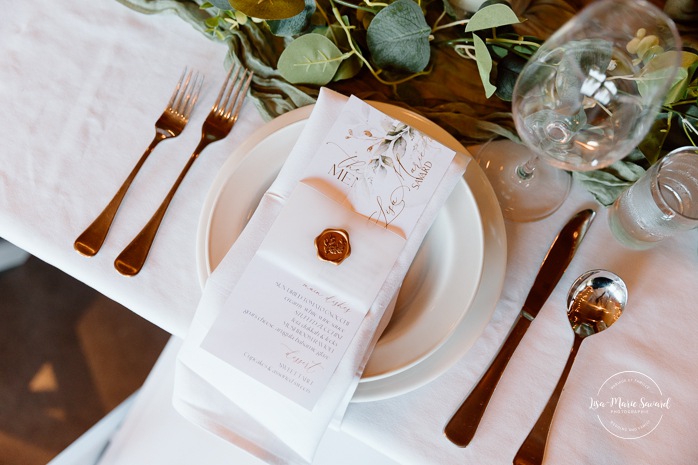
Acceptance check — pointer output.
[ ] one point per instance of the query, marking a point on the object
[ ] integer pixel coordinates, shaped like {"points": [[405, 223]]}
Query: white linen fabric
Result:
{"points": [[81, 86], [220, 398], [653, 337], [153, 433]]}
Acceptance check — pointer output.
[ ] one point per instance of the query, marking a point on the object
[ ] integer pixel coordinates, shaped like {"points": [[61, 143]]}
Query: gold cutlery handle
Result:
{"points": [[91, 240], [462, 426], [131, 260], [533, 448]]}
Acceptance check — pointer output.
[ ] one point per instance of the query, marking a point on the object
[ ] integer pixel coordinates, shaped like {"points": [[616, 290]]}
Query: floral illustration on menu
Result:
{"points": [[383, 165]]}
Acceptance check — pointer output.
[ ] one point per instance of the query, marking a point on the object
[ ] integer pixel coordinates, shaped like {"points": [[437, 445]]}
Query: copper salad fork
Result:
{"points": [[170, 124], [217, 125]]}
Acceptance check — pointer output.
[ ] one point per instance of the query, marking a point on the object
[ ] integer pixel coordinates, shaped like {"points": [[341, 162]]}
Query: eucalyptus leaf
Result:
{"points": [[349, 67], [651, 83], [523, 49], [295, 24], [484, 65], [651, 145], [663, 62], [508, 71], [492, 16], [605, 187], [630, 168], [212, 22], [398, 37], [608, 183], [269, 9], [310, 59], [222, 4], [487, 3], [336, 34]]}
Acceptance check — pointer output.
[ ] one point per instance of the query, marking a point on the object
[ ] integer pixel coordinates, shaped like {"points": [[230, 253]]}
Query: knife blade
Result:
{"points": [[462, 426]]}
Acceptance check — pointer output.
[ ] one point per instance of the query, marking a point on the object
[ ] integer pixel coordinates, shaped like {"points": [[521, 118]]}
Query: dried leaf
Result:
{"points": [[269, 9], [294, 25]]}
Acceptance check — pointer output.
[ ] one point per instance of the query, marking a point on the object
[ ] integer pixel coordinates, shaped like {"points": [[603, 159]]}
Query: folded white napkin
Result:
{"points": [[220, 398]]}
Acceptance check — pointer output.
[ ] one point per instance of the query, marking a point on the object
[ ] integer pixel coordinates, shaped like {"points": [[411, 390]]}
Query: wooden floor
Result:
{"points": [[68, 355]]}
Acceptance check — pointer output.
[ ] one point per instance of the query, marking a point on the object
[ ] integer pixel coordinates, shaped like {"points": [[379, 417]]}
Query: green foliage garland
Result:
{"points": [[328, 41]]}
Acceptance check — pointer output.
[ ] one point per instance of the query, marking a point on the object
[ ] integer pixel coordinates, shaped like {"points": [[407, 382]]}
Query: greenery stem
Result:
{"points": [[445, 26], [357, 7], [375, 4], [339, 19], [504, 43], [466, 51], [323, 13], [499, 40], [626, 77], [462, 40], [682, 102], [438, 20]]}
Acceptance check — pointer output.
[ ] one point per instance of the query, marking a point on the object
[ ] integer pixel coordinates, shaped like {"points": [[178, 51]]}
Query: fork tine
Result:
{"points": [[191, 96], [185, 93], [239, 97], [230, 100], [180, 90], [226, 89], [175, 92], [223, 88]]}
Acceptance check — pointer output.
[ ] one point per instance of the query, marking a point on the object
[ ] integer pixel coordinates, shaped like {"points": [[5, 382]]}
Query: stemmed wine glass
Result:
{"points": [[584, 100]]}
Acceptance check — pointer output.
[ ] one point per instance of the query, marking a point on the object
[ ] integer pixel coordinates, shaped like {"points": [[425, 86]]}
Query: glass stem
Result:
{"points": [[526, 170]]}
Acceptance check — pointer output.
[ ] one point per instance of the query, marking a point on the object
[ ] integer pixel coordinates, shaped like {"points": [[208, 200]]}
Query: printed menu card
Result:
{"points": [[300, 301]]}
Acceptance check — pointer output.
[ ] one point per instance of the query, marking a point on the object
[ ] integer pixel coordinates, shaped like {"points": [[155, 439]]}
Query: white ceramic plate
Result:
{"points": [[481, 308], [440, 286]]}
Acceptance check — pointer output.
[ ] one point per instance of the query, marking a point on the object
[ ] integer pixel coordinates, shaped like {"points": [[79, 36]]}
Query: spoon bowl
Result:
{"points": [[595, 301]]}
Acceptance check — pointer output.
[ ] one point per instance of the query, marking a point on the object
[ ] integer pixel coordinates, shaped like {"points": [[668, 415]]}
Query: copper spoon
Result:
{"points": [[595, 301]]}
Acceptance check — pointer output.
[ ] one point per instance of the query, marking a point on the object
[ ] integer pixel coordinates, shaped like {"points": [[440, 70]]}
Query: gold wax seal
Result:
{"points": [[333, 245]]}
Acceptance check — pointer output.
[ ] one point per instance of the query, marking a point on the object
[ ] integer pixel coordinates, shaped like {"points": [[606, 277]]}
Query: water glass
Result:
{"points": [[661, 203]]}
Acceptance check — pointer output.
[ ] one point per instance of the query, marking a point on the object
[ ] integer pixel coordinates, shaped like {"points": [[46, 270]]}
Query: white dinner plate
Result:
{"points": [[440, 287], [481, 308]]}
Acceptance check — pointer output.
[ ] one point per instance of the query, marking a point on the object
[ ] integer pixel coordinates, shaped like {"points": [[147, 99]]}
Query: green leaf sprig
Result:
{"points": [[392, 39]]}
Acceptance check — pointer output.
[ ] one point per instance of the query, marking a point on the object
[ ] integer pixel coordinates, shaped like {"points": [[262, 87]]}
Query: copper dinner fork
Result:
{"points": [[170, 124], [217, 125]]}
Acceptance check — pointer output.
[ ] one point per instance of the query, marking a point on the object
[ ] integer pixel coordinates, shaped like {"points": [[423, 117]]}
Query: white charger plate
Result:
{"points": [[481, 308], [438, 291]]}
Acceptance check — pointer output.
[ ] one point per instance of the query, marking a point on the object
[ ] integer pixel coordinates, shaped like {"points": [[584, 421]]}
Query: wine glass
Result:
{"points": [[584, 100]]}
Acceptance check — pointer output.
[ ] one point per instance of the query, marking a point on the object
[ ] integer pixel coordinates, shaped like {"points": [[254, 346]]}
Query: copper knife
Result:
{"points": [[462, 426]]}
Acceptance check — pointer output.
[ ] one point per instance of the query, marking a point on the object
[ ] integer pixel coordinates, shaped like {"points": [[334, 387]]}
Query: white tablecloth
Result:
{"points": [[81, 85], [154, 433]]}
